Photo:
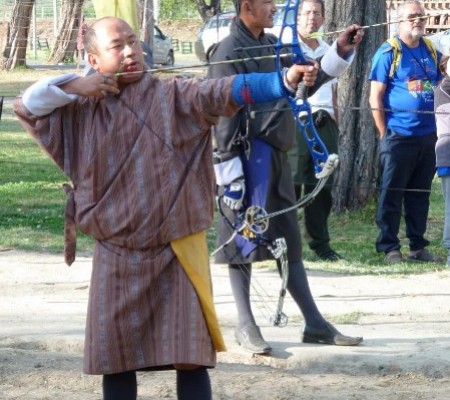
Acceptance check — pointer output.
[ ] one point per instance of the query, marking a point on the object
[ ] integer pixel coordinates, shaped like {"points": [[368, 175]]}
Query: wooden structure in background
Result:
{"points": [[438, 10]]}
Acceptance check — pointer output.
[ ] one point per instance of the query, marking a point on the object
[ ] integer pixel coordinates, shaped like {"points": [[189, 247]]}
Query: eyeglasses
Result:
{"points": [[315, 14], [415, 17]]}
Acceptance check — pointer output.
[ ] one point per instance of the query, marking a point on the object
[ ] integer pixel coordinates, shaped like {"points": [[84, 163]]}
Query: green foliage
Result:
{"points": [[177, 9], [180, 9], [44, 8], [32, 199], [32, 206], [353, 235], [89, 11]]}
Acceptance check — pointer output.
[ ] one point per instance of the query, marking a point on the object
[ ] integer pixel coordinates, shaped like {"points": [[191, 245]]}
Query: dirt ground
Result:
{"points": [[185, 31], [405, 322]]}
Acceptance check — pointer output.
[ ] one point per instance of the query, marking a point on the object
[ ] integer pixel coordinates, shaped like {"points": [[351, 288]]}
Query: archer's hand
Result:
{"points": [[349, 39], [302, 73], [234, 193], [97, 85]]}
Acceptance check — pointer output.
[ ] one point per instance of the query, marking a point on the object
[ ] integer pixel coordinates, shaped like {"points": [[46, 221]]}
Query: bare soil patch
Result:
{"points": [[404, 320]]}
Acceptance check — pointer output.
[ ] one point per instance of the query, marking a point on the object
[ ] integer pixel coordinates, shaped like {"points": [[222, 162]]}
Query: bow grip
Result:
{"points": [[302, 89]]}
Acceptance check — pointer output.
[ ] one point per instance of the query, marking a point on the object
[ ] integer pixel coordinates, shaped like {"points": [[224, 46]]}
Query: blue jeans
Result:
{"points": [[408, 166]]}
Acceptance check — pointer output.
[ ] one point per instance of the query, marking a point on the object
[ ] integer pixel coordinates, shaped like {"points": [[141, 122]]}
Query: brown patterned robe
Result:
{"points": [[141, 167]]}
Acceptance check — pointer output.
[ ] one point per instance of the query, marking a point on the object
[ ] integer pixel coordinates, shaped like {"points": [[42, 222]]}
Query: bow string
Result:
{"points": [[324, 163], [255, 220]]}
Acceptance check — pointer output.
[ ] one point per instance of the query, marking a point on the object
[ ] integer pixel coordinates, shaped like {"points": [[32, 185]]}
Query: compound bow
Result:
{"points": [[255, 221]]}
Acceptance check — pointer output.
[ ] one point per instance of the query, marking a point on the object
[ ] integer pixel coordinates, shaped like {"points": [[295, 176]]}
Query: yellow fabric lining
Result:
{"points": [[192, 253], [118, 8]]}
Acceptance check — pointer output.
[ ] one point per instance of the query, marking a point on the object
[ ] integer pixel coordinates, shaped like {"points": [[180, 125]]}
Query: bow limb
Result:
{"points": [[252, 226], [324, 163], [278, 249]]}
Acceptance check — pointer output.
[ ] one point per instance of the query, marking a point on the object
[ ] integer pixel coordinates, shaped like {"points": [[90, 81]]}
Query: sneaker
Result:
{"points": [[329, 255], [393, 257], [424, 255]]}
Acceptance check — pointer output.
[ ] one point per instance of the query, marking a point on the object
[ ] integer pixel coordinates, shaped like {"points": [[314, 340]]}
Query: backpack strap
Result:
{"points": [[397, 53], [396, 48], [431, 49]]}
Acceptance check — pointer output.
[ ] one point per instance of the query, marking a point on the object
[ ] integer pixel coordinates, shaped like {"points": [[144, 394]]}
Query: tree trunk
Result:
{"points": [[65, 45], [357, 176], [14, 54], [147, 18], [208, 11]]}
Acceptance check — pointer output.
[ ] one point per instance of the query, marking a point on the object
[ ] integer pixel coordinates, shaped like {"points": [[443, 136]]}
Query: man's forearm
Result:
{"points": [[378, 114], [46, 95], [380, 121]]}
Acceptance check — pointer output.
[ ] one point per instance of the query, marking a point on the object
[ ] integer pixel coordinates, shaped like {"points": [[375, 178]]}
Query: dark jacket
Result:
{"points": [[277, 128]]}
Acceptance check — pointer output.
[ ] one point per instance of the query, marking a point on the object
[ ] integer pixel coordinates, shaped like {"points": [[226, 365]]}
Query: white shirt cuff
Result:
{"points": [[227, 171], [45, 96], [332, 64]]}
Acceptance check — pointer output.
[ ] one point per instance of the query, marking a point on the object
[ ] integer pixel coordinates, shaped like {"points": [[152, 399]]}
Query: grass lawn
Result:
{"points": [[32, 203]]}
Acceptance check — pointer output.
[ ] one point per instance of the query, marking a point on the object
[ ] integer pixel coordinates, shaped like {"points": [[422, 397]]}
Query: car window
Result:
{"points": [[278, 19], [227, 21], [157, 33]]}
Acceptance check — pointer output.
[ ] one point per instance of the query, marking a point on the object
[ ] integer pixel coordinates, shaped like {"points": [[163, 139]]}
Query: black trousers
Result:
{"points": [[408, 166]]}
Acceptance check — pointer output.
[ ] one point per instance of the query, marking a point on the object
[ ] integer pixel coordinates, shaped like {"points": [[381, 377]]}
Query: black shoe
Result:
{"points": [[424, 255], [250, 339], [329, 335], [329, 255]]}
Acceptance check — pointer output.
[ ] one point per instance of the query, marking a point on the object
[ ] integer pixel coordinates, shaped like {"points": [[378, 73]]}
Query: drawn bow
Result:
{"points": [[324, 163], [255, 221]]}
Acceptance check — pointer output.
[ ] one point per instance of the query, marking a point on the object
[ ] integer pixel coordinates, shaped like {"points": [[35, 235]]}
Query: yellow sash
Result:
{"points": [[192, 253], [118, 8]]}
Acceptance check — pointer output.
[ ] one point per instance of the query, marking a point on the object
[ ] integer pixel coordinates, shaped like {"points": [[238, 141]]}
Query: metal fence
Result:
{"points": [[45, 25]]}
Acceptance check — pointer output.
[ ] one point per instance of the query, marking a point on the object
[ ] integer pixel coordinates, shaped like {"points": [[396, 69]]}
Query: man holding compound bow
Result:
{"points": [[252, 168]]}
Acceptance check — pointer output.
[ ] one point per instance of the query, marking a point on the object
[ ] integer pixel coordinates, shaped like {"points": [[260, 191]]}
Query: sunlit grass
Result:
{"points": [[32, 205]]}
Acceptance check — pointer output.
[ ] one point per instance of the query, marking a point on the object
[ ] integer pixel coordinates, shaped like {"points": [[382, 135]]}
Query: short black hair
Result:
{"points": [[237, 6], [90, 37], [238, 3], [90, 40]]}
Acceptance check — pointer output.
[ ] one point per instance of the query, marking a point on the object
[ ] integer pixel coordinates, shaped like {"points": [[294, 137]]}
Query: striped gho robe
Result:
{"points": [[141, 168]]}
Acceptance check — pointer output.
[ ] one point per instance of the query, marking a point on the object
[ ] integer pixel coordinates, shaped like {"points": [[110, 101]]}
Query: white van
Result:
{"points": [[218, 27]]}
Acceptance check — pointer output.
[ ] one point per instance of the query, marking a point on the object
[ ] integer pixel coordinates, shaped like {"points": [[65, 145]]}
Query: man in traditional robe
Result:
{"points": [[137, 150]]}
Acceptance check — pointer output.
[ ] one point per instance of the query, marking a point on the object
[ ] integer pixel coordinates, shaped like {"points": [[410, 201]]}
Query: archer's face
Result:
{"points": [[310, 18], [261, 13], [117, 50], [412, 30]]}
